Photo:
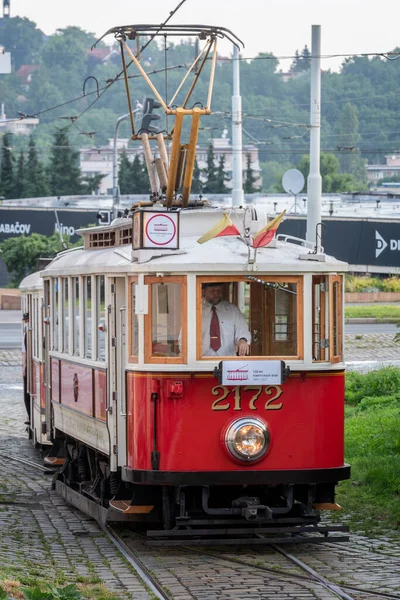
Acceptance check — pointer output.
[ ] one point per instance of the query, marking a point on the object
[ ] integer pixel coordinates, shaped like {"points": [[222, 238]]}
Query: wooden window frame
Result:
{"points": [[148, 355], [132, 358], [335, 358], [318, 280], [297, 279]]}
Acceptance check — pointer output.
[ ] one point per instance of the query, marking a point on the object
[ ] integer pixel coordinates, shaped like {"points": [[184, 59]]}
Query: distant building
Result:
{"points": [[223, 147], [391, 169], [17, 126], [94, 161], [25, 72]]}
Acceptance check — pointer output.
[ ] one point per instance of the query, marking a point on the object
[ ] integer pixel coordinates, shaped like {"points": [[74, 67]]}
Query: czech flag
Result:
{"points": [[223, 228], [265, 235]]}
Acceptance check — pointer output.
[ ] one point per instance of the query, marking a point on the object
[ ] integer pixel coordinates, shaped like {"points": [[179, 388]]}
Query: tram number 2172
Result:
{"points": [[223, 402]]}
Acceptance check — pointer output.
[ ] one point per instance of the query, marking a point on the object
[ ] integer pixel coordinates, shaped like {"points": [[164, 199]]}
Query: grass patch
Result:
{"points": [[380, 311], [371, 499]]}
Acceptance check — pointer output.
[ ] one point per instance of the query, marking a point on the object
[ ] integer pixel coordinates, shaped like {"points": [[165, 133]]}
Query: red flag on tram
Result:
{"points": [[265, 235], [223, 228]]}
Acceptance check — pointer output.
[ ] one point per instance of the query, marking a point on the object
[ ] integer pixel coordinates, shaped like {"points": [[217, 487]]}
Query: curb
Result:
{"points": [[370, 320]]}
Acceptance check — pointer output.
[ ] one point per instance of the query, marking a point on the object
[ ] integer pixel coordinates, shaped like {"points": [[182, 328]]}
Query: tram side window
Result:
{"points": [[166, 335], [134, 337], [336, 320], [36, 325], [65, 329], [87, 286], [56, 302], [101, 318], [76, 304], [256, 316], [320, 312]]}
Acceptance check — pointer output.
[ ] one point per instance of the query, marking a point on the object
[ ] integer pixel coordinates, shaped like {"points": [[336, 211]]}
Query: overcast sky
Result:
{"points": [[277, 26]]}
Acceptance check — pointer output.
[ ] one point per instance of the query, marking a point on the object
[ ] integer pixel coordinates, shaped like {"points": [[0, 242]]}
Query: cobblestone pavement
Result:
{"points": [[41, 534]]}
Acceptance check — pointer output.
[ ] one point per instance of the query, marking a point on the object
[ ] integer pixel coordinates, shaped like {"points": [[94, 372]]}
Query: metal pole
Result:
{"points": [[314, 181], [237, 168]]}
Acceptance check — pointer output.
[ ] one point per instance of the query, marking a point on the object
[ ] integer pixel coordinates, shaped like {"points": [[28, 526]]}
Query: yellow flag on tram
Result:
{"points": [[265, 235], [223, 228]]}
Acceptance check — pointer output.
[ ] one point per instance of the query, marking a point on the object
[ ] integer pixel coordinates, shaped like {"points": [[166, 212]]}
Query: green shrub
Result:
{"points": [[385, 382], [391, 284], [362, 283]]}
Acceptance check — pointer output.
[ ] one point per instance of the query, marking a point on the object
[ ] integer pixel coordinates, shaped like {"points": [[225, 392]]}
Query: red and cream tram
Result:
{"points": [[150, 419]]}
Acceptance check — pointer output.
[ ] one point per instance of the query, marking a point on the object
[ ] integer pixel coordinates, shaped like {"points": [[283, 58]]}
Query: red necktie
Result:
{"points": [[215, 334]]}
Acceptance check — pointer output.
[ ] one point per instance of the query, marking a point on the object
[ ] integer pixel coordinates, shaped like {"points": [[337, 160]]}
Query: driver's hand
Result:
{"points": [[242, 347]]}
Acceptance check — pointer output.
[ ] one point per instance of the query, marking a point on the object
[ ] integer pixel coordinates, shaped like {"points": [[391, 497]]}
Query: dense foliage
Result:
{"points": [[359, 104], [372, 447], [20, 254]]}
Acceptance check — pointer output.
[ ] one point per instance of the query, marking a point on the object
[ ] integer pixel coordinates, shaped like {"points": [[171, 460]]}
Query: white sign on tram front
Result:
{"points": [[258, 372], [156, 230]]}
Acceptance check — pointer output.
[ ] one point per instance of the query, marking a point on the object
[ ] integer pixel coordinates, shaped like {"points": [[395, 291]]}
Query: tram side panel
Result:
{"points": [[304, 417]]}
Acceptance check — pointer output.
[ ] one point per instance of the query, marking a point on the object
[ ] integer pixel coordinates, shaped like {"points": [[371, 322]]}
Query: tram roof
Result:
{"points": [[218, 255]]}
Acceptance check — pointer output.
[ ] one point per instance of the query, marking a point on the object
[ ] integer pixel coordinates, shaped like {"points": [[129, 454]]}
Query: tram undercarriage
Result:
{"points": [[213, 514]]}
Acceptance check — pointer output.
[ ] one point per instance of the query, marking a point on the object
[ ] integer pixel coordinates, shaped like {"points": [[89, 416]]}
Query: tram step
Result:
{"points": [[54, 461], [127, 508]]}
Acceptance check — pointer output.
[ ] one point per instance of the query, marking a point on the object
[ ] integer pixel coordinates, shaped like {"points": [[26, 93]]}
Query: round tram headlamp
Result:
{"points": [[247, 439]]}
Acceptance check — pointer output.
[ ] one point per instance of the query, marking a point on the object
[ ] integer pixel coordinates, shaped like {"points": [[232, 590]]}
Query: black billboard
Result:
{"points": [[356, 241], [22, 221]]}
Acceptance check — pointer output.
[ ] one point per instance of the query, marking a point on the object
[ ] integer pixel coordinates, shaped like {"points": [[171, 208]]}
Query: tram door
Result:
{"points": [[273, 320], [116, 386]]}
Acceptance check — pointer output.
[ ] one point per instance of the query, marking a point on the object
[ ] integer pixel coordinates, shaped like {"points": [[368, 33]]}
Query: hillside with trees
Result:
{"points": [[360, 117]]}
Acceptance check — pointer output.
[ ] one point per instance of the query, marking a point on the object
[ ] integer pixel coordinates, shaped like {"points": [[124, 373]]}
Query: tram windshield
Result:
{"points": [[250, 316]]}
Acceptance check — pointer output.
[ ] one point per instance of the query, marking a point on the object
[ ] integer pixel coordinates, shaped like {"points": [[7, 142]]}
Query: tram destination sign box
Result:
{"points": [[257, 372], [153, 229]]}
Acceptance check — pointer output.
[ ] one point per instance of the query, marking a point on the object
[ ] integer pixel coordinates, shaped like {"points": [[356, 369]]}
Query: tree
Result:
{"points": [[19, 184], [21, 253], [249, 177], [301, 62], [210, 172], [197, 184], [332, 180], [125, 181], [347, 141], [7, 168], [21, 37], [36, 183], [221, 176], [64, 172], [140, 177]]}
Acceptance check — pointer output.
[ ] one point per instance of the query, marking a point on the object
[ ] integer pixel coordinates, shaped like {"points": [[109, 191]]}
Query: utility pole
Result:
{"points": [[314, 180], [115, 198], [237, 166]]}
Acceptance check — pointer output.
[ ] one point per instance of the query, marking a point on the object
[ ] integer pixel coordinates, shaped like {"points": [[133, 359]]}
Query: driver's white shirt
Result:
{"points": [[232, 325]]}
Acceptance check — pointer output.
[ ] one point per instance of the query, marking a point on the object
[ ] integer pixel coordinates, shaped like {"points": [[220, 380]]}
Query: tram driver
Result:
{"points": [[224, 328]]}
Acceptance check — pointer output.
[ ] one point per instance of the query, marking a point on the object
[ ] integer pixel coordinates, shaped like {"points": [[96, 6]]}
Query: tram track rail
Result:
{"points": [[313, 576], [139, 567]]}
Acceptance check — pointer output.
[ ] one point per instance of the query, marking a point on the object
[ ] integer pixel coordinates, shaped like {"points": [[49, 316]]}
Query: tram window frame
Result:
{"points": [[133, 322], [298, 280], [320, 299], [88, 317], [66, 316], [100, 334], [36, 322], [335, 318], [55, 314], [149, 355], [76, 298]]}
